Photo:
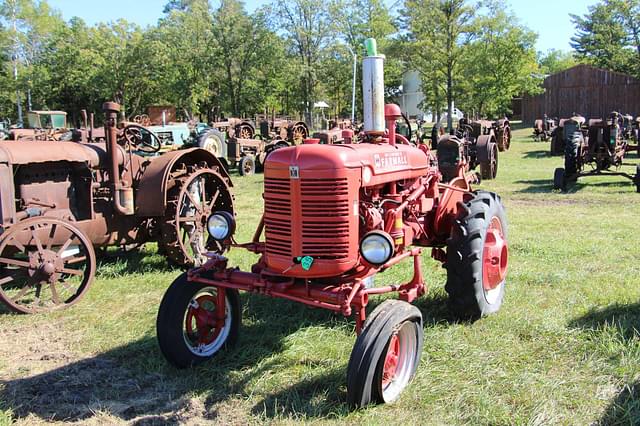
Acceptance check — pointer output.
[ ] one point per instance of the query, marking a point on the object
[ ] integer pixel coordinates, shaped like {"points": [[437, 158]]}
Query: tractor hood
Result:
{"points": [[29, 152], [380, 163]]}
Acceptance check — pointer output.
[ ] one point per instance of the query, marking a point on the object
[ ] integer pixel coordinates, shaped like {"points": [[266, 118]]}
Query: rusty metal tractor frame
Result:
{"points": [[335, 216], [60, 200], [603, 147]]}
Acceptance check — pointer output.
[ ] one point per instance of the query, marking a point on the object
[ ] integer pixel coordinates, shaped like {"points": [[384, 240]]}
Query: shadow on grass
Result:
{"points": [[121, 262], [625, 408], [134, 380], [536, 154], [541, 186]]}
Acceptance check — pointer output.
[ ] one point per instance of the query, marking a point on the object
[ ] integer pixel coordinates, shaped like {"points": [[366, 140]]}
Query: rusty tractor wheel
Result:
{"points": [[504, 139], [477, 257], [489, 167], [213, 141], [197, 192], [386, 354], [46, 264], [196, 321], [244, 131], [247, 166], [299, 133]]}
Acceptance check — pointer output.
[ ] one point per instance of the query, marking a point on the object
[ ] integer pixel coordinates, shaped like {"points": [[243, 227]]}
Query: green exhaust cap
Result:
{"points": [[371, 47]]}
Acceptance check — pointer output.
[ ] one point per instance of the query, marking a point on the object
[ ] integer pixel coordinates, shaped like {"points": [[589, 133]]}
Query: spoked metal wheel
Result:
{"points": [[299, 133], [195, 195], [244, 131], [46, 264], [196, 321]]}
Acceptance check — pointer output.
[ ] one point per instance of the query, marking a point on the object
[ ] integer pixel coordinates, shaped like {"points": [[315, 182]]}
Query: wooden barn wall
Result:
{"points": [[589, 91]]}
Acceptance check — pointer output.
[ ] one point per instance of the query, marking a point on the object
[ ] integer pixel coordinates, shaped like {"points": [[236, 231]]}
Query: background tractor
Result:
{"points": [[604, 148], [60, 199], [543, 128], [472, 144], [335, 216], [43, 126]]}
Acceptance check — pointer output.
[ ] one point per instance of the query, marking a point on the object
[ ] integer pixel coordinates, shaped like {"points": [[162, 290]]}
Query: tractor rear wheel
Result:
{"points": [[386, 354], [244, 131], [489, 168], [504, 139], [197, 191], [477, 257], [213, 141], [196, 321]]}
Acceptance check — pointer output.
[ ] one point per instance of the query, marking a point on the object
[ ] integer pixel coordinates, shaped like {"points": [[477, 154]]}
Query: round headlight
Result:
{"points": [[221, 225], [376, 247]]}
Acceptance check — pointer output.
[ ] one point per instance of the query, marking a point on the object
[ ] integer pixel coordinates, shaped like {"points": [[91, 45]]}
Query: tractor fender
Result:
{"points": [[151, 195], [484, 145]]}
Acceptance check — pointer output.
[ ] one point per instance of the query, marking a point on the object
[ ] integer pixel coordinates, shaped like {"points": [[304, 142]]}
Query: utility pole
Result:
{"points": [[353, 88], [15, 62]]}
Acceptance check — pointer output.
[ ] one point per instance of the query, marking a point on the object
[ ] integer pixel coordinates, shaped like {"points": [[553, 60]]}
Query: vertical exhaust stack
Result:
{"points": [[121, 191], [373, 89]]}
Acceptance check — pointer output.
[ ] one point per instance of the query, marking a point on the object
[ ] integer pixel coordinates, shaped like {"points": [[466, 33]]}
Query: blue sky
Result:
{"points": [[549, 18]]}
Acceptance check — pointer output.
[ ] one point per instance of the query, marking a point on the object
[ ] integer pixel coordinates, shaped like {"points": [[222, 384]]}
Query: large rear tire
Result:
{"points": [[213, 141], [477, 257], [190, 328], [386, 354], [571, 155], [489, 168]]}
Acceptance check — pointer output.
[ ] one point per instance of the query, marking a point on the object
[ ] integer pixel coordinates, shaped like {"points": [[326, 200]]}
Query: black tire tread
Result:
{"points": [[464, 253]]}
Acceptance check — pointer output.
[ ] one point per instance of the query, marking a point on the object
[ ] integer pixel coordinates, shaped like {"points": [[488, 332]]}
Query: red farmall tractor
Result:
{"points": [[59, 200], [603, 148], [334, 217]]}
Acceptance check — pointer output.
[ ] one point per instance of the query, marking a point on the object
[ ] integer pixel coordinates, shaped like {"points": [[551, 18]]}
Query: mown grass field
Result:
{"points": [[564, 349]]}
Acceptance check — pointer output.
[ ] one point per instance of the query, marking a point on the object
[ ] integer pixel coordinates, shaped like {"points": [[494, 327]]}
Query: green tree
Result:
{"points": [[439, 32], [242, 43], [498, 64], [608, 35], [308, 27], [554, 61]]}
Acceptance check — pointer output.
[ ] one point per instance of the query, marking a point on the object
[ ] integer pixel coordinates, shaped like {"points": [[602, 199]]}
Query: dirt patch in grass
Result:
{"points": [[47, 378]]}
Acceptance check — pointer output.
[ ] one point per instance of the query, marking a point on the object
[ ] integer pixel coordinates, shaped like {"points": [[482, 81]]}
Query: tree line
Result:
{"points": [[282, 57]]}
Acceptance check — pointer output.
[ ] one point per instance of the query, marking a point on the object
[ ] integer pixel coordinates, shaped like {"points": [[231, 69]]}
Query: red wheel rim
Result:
{"points": [[391, 360], [201, 322], [495, 256]]}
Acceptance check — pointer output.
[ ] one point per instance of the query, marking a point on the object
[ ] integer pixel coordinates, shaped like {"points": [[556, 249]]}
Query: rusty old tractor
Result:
{"points": [[42, 126], [567, 129], [334, 217], [288, 132], [543, 128], [472, 144], [603, 148], [59, 200]]}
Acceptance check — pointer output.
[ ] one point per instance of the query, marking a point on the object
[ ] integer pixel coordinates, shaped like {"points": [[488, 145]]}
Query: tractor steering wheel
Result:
{"points": [[142, 139]]}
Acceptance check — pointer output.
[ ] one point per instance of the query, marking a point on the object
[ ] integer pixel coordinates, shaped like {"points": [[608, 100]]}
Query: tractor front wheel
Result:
{"points": [[489, 167], [477, 257], [196, 321], [558, 179], [247, 166], [637, 178], [386, 354]]}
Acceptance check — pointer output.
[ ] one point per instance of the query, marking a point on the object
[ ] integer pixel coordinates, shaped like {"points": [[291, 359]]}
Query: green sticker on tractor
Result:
{"points": [[306, 262]]}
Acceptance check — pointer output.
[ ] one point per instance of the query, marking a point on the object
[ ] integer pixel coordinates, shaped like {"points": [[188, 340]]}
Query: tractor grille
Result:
{"points": [[277, 216], [316, 224], [325, 218]]}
